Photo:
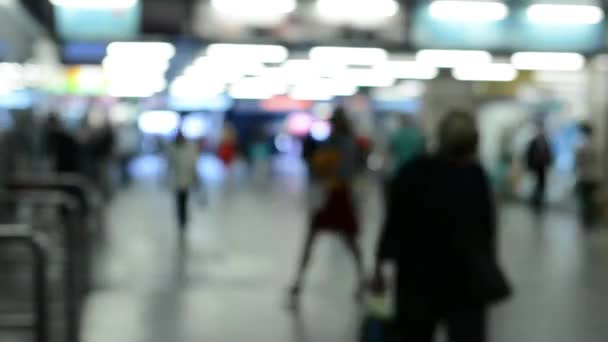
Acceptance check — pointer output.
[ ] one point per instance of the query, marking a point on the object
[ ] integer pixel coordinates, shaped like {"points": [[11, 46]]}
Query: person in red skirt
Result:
{"points": [[334, 163]]}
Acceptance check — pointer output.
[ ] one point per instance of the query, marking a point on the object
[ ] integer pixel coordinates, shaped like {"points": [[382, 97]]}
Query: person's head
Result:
{"points": [[340, 122], [408, 121], [179, 137], [458, 135], [53, 122], [586, 129]]}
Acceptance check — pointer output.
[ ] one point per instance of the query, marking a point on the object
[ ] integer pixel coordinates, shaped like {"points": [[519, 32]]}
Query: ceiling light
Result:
{"points": [[565, 14], [322, 89], [95, 4], [468, 11], [558, 61], [499, 72], [158, 122], [357, 9], [453, 58], [411, 70], [373, 77], [120, 65], [141, 50], [348, 55], [254, 8], [258, 53], [297, 69]]}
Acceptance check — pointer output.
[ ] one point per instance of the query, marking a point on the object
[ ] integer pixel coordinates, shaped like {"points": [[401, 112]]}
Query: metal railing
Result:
{"points": [[39, 321], [76, 253]]}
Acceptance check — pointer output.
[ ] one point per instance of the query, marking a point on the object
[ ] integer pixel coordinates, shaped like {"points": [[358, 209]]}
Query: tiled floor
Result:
{"points": [[228, 284]]}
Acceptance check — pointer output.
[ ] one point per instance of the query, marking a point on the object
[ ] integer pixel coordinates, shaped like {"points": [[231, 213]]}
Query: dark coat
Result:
{"points": [[441, 231]]}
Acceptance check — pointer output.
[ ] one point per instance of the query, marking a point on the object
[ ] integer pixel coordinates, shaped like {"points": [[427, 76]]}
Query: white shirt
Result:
{"points": [[182, 165]]}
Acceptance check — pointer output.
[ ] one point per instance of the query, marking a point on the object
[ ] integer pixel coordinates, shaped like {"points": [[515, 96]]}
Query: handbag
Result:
{"points": [[487, 283]]}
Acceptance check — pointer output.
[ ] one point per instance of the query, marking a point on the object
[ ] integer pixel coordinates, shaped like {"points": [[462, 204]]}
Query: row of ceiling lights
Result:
{"points": [[339, 71], [449, 10]]}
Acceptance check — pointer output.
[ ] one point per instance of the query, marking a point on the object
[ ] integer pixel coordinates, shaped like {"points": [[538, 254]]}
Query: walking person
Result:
{"points": [[182, 156], [587, 167], [440, 230], [334, 162], [539, 159]]}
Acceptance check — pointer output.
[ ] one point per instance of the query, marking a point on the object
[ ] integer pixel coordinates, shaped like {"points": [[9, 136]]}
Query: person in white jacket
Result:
{"points": [[182, 156]]}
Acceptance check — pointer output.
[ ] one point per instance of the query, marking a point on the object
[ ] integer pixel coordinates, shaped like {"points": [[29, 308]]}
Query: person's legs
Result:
{"points": [[304, 261], [586, 191], [182, 208], [355, 249], [467, 325], [538, 199], [417, 329]]}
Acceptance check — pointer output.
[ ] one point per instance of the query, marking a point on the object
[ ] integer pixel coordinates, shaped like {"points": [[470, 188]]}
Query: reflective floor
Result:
{"points": [[226, 280]]}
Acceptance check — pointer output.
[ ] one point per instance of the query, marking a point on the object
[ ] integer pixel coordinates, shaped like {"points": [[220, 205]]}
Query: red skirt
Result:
{"points": [[338, 214]]}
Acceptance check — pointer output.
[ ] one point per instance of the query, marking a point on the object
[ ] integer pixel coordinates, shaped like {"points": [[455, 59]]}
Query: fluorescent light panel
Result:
{"points": [[254, 7], [95, 4], [374, 77], [558, 61], [141, 50], [565, 14], [411, 70], [348, 55], [357, 9], [498, 72], [468, 11], [322, 89], [453, 58], [258, 53]]}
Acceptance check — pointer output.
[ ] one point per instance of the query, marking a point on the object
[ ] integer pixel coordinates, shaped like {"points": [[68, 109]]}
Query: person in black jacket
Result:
{"points": [[62, 147], [441, 232], [539, 158]]}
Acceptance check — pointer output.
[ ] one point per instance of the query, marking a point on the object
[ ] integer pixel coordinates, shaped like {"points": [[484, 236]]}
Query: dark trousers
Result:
{"points": [[464, 325], [586, 192], [182, 208], [538, 197]]}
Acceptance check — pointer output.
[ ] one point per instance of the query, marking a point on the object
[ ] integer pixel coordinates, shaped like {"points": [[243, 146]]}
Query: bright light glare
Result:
{"points": [[257, 88], [322, 89], [158, 122], [453, 58], [141, 50], [367, 77], [468, 11], [195, 126], [95, 4], [320, 130], [250, 8], [348, 55], [411, 70], [558, 61], [299, 123], [301, 69], [502, 72], [136, 87], [122, 65], [258, 53], [283, 143], [357, 9], [565, 14]]}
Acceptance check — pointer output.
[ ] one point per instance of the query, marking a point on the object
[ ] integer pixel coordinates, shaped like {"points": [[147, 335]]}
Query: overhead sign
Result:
{"points": [[74, 23]]}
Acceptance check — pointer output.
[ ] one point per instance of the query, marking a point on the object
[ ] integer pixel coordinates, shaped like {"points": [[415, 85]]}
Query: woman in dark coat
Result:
{"points": [[441, 232]]}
